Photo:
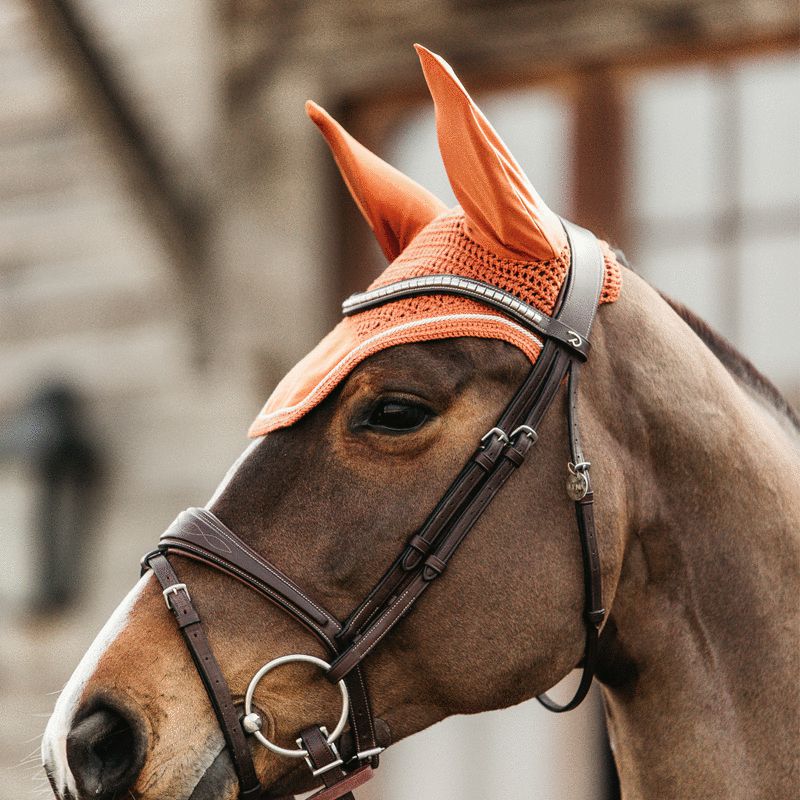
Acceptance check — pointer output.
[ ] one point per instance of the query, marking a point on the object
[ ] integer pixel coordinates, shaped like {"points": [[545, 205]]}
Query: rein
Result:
{"points": [[199, 535]]}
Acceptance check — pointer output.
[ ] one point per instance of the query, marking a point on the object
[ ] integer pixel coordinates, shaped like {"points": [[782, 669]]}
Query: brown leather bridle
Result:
{"points": [[199, 535]]}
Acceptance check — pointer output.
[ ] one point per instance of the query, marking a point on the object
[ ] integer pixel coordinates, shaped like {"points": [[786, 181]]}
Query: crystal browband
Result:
{"points": [[475, 290]]}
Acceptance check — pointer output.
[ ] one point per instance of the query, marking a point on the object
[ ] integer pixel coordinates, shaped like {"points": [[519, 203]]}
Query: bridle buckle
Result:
{"points": [[498, 432], [527, 431], [174, 589], [307, 758]]}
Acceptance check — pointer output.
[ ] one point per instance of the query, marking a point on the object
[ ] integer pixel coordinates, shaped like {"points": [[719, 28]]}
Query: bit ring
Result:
{"points": [[277, 662]]}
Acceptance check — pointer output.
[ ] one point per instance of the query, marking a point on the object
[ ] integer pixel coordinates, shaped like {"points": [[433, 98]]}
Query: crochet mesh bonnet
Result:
{"points": [[502, 233]]}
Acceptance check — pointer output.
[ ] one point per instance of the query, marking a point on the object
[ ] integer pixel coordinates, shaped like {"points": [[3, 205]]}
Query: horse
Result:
{"points": [[694, 462]]}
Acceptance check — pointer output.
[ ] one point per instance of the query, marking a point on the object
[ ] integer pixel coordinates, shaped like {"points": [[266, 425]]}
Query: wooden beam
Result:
{"points": [[599, 156], [366, 51], [178, 219]]}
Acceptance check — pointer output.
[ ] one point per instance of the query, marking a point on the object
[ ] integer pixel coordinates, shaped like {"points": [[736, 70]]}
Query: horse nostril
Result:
{"points": [[105, 752]]}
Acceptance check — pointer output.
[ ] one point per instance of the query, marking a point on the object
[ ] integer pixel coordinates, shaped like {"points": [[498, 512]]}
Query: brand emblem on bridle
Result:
{"points": [[575, 339], [577, 480]]}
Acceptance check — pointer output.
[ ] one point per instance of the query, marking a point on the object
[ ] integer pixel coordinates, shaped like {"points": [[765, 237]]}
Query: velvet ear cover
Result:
{"points": [[503, 211]]}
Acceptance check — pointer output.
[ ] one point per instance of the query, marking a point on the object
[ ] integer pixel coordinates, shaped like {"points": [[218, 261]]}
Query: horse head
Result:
{"points": [[350, 455]]}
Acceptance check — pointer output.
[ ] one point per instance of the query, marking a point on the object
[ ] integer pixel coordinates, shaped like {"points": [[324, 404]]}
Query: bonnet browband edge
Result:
{"points": [[531, 317]]}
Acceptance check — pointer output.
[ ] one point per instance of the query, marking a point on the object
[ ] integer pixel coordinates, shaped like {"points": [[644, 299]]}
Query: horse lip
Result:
{"points": [[219, 777], [52, 781], [216, 779]]}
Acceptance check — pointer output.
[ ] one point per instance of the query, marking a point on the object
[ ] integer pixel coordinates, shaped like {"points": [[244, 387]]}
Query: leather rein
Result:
{"points": [[199, 535]]}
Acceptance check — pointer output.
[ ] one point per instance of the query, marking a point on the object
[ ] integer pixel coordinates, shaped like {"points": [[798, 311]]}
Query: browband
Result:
{"points": [[489, 295]]}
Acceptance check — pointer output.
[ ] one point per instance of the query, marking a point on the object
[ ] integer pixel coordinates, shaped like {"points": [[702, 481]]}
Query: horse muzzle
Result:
{"points": [[105, 749]]}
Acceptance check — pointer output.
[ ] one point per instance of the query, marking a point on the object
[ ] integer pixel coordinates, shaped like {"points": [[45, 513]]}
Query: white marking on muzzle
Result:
{"points": [[54, 742], [232, 471]]}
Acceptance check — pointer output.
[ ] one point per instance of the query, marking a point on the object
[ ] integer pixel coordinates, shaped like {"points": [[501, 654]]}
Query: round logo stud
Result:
{"points": [[577, 487]]}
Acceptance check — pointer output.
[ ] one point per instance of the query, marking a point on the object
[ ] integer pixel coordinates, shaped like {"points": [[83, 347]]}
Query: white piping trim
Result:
{"points": [[384, 334]]}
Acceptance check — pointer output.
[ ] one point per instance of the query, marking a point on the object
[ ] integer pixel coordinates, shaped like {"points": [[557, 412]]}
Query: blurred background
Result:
{"points": [[173, 236]]}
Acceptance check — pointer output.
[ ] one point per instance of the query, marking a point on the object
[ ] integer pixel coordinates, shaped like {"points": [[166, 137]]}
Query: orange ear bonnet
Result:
{"points": [[502, 234]]}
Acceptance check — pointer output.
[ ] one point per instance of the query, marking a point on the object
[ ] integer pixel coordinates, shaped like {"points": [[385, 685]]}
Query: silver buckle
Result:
{"points": [[499, 432], [328, 767], [174, 589], [527, 430]]}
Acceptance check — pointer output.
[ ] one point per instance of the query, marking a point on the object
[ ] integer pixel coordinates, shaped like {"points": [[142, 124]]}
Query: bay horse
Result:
{"points": [[696, 465]]}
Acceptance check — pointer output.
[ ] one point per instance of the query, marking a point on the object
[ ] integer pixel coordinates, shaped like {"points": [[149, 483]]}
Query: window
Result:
{"points": [[715, 199]]}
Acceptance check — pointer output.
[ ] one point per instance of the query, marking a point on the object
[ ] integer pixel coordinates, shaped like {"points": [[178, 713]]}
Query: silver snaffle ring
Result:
{"points": [[253, 717]]}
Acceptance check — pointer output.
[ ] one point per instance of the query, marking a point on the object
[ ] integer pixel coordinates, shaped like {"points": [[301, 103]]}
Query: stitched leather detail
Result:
{"points": [[209, 670]]}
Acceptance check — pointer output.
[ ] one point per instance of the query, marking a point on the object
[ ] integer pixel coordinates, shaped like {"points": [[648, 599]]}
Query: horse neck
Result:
{"points": [[699, 657]]}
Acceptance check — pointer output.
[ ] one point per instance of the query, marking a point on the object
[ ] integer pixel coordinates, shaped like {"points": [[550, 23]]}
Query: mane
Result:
{"points": [[738, 365]]}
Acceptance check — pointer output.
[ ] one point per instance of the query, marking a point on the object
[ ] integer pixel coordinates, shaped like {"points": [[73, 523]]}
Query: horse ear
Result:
{"points": [[395, 207], [503, 211]]}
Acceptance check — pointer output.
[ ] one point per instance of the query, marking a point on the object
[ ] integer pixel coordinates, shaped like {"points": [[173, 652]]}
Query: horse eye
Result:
{"points": [[398, 416]]}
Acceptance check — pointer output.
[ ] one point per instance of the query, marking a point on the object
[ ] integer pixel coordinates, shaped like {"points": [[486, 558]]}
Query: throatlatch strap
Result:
{"points": [[594, 612], [585, 251], [179, 602]]}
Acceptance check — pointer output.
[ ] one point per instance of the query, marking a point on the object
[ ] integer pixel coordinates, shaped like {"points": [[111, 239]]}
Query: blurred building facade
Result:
{"points": [[172, 292]]}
